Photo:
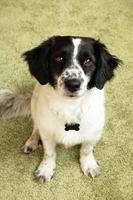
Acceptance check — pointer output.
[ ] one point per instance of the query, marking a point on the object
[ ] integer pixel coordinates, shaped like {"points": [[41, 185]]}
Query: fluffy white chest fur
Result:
{"points": [[51, 112]]}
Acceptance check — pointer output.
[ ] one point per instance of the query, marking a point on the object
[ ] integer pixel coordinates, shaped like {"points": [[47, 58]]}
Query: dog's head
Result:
{"points": [[71, 65]]}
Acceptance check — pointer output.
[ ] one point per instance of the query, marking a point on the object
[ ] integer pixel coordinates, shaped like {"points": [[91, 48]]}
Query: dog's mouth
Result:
{"points": [[67, 93], [70, 94]]}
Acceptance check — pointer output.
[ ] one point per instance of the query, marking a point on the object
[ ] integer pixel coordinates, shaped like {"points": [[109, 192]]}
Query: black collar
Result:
{"points": [[73, 126]]}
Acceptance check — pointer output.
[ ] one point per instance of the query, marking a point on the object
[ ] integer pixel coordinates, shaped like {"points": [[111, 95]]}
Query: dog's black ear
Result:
{"points": [[105, 65], [37, 60]]}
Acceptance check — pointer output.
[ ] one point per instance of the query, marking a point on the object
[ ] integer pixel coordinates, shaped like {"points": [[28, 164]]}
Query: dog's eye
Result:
{"points": [[87, 61], [59, 59]]}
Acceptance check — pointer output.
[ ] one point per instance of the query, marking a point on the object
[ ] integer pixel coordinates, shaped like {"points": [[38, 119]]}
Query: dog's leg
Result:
{"points": [[46, 168], [88, 163], [33, 141]]}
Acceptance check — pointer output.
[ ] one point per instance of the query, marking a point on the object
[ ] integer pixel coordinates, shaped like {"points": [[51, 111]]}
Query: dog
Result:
{"points": [[67, 104]]}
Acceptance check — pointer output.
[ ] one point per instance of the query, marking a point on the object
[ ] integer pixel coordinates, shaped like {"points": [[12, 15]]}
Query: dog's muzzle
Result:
{"points": [[72, 85], [72, 82]]}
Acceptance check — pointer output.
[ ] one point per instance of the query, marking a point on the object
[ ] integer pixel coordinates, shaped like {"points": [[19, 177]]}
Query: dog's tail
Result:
{"points": [[14, 104]]}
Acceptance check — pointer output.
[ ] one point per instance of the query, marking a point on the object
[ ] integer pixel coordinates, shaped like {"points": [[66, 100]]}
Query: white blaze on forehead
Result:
{"points": [[76, 43], [77, 67]]}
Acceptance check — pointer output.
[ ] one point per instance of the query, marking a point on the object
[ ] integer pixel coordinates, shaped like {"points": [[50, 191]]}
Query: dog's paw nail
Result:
{"points": [[36, 173], [38, 176], [42, 177], [40, 142], [94, 171], [27, 150]]}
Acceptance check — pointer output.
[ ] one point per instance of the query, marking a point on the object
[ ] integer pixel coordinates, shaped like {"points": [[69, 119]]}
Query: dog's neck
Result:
{"points": [[67, 109]]}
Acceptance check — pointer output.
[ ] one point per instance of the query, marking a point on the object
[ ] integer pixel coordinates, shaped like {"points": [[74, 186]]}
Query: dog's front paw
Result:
{"points": [[93, 171], [44, 173], [89, 165]]}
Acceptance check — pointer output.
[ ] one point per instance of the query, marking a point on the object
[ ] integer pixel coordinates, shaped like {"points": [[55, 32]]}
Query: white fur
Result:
{"points": [[76, 43], [51, 112]]}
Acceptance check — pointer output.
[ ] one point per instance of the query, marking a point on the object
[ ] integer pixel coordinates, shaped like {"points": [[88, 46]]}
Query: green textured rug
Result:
{"points": [[24, 24]]}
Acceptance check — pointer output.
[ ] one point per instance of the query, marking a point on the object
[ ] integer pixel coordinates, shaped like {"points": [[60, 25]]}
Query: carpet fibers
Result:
{"points": [[23, 25]]}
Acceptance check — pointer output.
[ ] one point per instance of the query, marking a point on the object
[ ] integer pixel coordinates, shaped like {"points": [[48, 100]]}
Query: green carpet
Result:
{"points": [[24, 24]]}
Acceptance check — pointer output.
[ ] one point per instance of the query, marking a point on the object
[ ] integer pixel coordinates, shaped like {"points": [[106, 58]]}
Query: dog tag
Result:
{"points": [[75, 127]]}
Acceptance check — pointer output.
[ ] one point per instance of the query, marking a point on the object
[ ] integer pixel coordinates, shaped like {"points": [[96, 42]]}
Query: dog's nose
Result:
{"points": [[72, 84]]}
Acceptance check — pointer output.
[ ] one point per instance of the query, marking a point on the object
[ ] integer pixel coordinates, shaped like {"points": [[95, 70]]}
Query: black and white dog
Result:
{"points": [[67, 104]]}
